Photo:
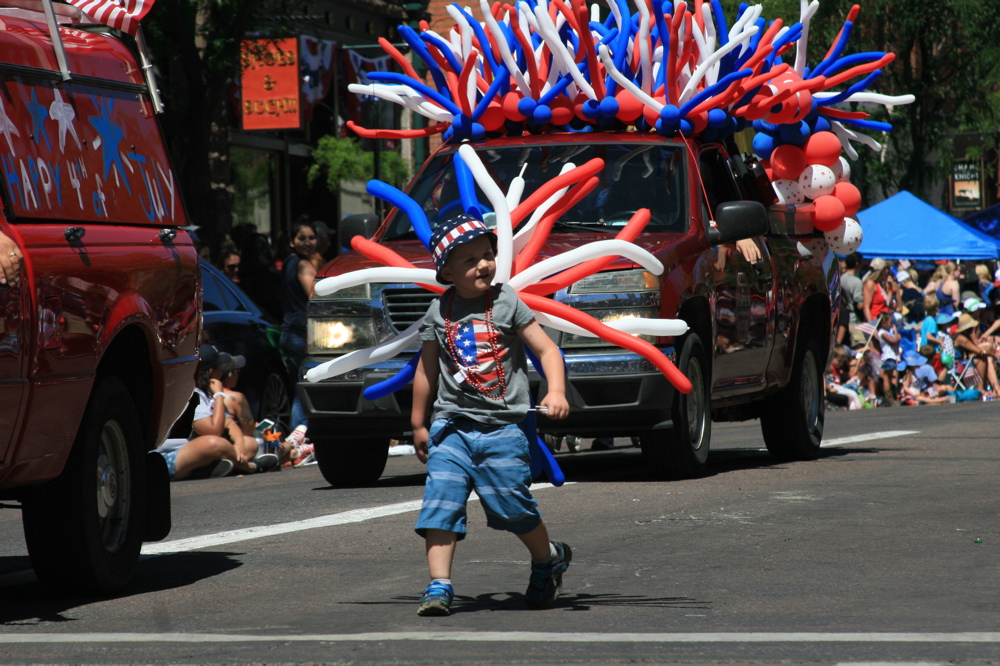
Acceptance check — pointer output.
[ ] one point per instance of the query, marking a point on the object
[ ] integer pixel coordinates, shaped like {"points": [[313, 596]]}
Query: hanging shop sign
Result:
{"points": [[966, 188], [270, 84]]}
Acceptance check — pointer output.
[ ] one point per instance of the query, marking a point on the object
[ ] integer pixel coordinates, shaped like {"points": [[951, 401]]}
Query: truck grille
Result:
{"points": [[405, 306]]}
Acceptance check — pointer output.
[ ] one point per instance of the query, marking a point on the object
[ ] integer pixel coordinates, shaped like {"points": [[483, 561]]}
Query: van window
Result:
{"points": [[720, 186]]}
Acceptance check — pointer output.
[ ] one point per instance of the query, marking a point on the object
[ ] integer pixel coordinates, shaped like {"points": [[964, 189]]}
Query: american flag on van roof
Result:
{"points": [[123, 15]]}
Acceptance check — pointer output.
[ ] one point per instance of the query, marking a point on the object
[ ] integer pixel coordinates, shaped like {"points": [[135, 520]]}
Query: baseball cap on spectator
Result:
{"points": [[878, 263], [973, 304], [239, 362], [903, 276], [914, 359], [211, 357]]}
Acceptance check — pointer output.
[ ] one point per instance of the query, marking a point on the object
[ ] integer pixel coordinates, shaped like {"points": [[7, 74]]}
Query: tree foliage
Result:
{"points": [[343, 159]]}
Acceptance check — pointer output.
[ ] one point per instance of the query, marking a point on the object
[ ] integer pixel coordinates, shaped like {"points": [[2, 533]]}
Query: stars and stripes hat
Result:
{"points": [[454, 232]]}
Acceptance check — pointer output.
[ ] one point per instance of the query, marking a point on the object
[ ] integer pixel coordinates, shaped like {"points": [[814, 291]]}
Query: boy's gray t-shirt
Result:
{"points": [[455, 398]]}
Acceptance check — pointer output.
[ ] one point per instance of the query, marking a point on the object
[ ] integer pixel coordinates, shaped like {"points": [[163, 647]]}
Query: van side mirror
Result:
{"points": [[736, 220], [362, 224]]}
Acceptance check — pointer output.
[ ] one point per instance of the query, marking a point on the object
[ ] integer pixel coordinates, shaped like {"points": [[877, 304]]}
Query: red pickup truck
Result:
{"points": [[760, 331], [99, 342]]}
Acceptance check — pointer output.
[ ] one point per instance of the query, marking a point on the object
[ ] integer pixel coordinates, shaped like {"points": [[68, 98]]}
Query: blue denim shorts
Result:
{"points": [[171, 458], [493, 460]]}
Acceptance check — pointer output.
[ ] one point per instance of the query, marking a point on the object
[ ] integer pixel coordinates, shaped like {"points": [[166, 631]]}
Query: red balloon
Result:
{"points": [[388, 257], [510, 111], [822, 148], [629, 108], [788, 161], [493, 117], [562, 111], [700, 121], [624, 340], [830, 212], [578, 107], [850, 196]]}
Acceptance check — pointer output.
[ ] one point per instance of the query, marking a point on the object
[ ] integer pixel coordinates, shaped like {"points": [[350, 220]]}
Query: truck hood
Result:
{"points": [[414, 252]]}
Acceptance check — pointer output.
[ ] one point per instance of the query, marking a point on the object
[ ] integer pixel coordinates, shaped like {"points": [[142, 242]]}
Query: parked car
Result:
{"points": [[236, 325]]}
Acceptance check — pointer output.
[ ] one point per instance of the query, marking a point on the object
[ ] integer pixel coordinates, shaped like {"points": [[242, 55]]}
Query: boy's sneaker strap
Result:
{"points": [[436, 599]]}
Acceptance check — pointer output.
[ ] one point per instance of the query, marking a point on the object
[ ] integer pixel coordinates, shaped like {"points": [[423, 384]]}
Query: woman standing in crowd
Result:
{"points": [[297, 277], [879, 290]]}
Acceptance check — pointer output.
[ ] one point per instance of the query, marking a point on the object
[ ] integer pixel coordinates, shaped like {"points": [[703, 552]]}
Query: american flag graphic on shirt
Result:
{"points": [[474, 351]]}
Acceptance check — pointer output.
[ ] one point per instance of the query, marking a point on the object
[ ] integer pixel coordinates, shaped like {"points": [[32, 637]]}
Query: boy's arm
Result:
{"points": [[424, 391], [542, 347]]}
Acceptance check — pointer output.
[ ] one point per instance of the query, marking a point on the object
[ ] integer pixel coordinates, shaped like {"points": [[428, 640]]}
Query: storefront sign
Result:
{"points": [[270, 84], [966, 189]]}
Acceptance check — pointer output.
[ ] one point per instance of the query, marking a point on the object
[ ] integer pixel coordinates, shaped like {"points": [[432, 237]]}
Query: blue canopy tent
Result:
{"points": [[986, 220], [904, 227]]}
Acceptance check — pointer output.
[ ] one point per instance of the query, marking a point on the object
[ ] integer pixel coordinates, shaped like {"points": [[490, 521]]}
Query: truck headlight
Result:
{"points": [[608, 316], [614, 282], [339, 335]]}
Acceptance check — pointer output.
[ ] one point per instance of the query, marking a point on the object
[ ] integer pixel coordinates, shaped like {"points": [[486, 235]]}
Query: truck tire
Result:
{"points": [[792, 419], [352, 463], [681, 452], [84, 529]]}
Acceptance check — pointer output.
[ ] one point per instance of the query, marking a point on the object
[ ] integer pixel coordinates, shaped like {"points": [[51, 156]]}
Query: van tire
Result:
{"points": [[352, 463], [84, 529], [792, 419], [681, 452]]}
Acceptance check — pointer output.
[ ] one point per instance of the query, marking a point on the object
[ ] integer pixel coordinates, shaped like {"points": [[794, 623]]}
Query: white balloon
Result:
{"points": [[635, 326], [818, 248], [817, 180], [788, 191], [592, 250], [846, 238], [362, 357], [381, 274], [841, 169]]}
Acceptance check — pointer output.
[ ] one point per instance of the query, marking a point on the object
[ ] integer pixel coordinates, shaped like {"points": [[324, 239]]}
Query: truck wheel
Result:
{"points": [[792, 420], [84, 529], [352, 463], [682, 451]]}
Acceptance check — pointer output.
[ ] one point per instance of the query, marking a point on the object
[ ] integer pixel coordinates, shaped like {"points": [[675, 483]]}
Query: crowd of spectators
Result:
{"points": [[915, 333]]}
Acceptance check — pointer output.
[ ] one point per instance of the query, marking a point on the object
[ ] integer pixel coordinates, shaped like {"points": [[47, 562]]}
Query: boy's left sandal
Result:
{"points": [[436, 600]]}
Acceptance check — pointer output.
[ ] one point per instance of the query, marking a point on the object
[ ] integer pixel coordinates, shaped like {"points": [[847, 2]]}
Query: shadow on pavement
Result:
{"points": [[31, 604], [514, 601]]}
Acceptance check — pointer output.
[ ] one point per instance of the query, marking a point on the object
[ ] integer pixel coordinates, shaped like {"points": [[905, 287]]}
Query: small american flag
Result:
{"points": [[472, 344], [123, 15]]}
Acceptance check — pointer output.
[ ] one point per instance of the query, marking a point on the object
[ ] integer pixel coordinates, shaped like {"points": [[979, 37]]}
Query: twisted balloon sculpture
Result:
{"points": [[671, 68]]}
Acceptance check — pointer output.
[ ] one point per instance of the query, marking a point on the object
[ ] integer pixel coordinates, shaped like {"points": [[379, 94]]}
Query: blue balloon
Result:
{"points": [[763, 145], [609, 107], [717, 118], [591, 109], [542, 114], [821, 124], [670, 114], [526, 107], [398, 198], [796, 134], [394, 383]]}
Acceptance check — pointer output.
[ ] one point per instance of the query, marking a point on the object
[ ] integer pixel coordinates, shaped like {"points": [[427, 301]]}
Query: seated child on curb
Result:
{"points": [[470, 392]]}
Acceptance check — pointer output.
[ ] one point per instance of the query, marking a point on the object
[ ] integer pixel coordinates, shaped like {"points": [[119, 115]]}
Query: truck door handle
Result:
{"points": [[74, 234]]}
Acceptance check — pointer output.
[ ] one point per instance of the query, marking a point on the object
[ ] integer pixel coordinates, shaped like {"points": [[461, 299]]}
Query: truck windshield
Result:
{"points": [[634, 176]]}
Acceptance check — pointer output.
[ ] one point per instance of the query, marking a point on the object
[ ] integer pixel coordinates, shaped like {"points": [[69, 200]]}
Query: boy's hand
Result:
{"points": [[420, 438], [558, 408]]}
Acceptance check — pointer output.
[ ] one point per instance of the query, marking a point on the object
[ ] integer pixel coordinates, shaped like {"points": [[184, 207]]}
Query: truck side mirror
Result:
{"points": [[362, 224], [736, 220]]}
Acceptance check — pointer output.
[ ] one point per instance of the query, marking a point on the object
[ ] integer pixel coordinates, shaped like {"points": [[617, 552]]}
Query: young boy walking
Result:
{"points": [[470, 392]]}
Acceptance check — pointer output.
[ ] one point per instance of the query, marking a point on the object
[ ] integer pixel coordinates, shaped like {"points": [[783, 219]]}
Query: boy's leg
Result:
{"points": [[436, 599], [537, 541], [549, 561], [440, 546]]}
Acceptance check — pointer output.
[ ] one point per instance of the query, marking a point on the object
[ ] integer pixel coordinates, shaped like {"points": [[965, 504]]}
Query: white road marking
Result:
{"points": [[332, 520], [870, 437], [515, 637]]}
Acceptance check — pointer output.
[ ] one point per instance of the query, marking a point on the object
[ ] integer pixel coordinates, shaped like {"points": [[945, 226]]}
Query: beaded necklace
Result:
{"points": [[491, 334]]}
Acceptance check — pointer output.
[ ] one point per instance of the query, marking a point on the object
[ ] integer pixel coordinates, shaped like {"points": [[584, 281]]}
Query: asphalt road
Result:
{"points": [[884, 550]]}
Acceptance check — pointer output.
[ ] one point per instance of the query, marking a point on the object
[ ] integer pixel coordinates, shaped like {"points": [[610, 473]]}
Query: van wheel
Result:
{"points": [[84, 529], [352, 463], [682, 451], [792, 420]]}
